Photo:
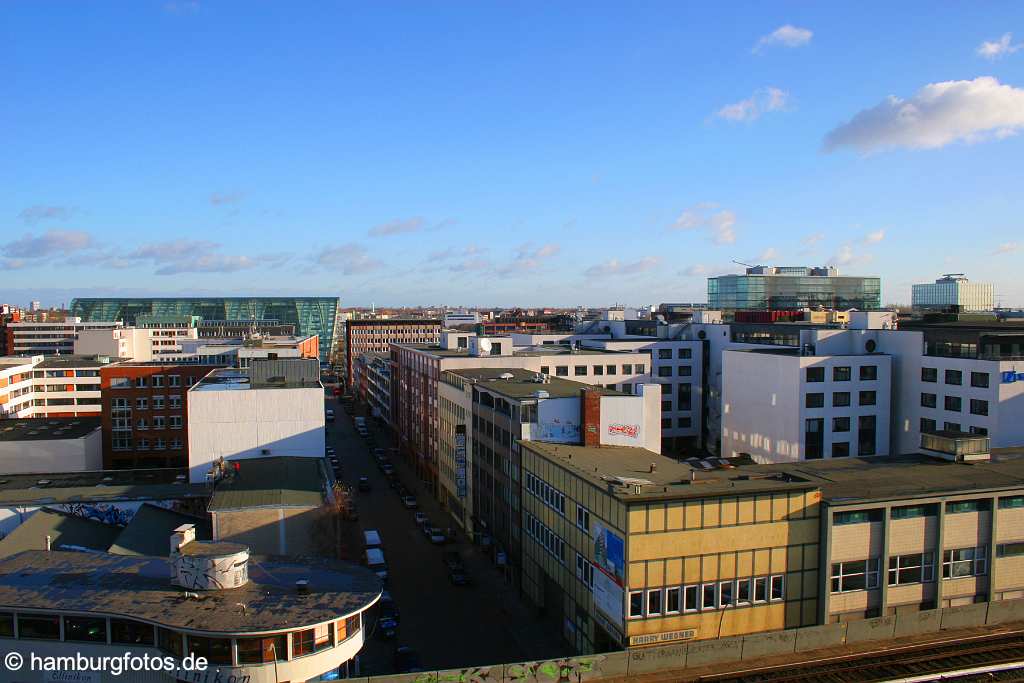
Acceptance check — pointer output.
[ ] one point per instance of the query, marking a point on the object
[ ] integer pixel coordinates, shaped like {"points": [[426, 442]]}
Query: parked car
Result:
{"points": [[410, 502], [420, 518], [459, 577], [452, 560], [407, 660], [329, 415], [436, 535], [364, 484]]}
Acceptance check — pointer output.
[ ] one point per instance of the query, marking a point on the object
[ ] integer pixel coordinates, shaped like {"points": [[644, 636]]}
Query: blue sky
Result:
{"points": [[407, 153]]}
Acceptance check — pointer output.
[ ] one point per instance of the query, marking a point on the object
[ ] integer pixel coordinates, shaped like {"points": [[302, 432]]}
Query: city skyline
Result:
{"points": [[499, 156]]}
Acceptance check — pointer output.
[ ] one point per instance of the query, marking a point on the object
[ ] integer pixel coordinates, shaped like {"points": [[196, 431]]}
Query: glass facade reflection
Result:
{"points": [[309, 315], [758, 292]]}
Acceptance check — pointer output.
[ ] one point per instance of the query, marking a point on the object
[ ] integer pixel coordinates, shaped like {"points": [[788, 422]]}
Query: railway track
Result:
{"points": [[903, 663]]}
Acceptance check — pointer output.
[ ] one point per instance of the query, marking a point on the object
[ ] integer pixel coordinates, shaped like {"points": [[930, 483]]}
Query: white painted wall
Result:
{"points": [[558, 420], [53, 455], [242, 423], [633, 420]]}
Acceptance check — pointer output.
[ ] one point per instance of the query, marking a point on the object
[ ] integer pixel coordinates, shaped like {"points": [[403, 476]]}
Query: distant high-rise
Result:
{"points": [[953, 293], [772, 288]]}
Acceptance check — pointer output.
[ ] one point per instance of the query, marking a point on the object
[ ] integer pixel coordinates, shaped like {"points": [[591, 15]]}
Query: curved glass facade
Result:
{"points": [[310, 315], [786, 292]]}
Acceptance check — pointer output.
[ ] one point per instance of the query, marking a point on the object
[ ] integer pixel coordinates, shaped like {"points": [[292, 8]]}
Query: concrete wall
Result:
{"points": [[760, 410], [53, 455]]}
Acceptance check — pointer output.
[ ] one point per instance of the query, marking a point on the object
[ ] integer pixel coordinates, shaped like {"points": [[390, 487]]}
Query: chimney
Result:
{"points": [[653, 469], [182, 536], [590, 418]]}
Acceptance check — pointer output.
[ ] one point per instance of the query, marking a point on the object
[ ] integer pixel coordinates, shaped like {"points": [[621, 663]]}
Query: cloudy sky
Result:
{"points": [[485, 153]]}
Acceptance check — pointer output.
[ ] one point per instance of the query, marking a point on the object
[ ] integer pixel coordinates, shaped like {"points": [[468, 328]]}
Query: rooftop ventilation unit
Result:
{"points": [[507, 376], [540, 393]]}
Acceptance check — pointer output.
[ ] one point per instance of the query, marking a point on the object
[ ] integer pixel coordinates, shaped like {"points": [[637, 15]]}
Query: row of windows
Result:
{"points": [[955, 377], [927, 510], [957, 563], [159, 422], [142, 403], [955, 403], [143, 382], [681, 371], [666, 354], [841, 399], [125, 443], [546, 537], [706, 596], [547, 494], [930, 425], [215, 650], [597, 370], [843, 373]]}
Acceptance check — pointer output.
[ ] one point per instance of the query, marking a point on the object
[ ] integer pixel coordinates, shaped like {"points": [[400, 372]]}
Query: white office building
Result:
{"points": [[952, 292]]}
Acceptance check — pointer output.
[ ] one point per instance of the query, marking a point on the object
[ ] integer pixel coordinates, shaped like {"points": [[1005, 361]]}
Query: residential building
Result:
{"points": [[309, 315], [371, 335], [952, 292], [271, 620], [484, 412], [276, 407], [416, 370], [152, 338], [371, 381], [793, 287], [633, 554], [51, 386], [145, 414], [27, 338], [38, 445], [17, 392]]}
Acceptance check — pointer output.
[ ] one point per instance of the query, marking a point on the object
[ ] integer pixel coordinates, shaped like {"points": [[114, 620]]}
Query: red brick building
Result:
{"points": [[145, 414]]}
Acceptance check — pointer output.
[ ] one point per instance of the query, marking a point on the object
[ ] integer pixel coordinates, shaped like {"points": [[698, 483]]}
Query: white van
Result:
{"points": [[375, 561], [371, 537]]}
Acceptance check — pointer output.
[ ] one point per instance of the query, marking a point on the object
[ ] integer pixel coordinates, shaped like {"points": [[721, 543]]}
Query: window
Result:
{"points": [[545, 370], [840, 399], [841, 449], [120, 383], [141, 423], [954, 377], [951, 426], [672, 600], [140, 382], [928, 400], [815, 374], [958, 506], [684, 371], [627, 369], [917, 568], [260, 650], [639, 368], [175, 421], [85, 629], [216, 650], [815, 400], [158, 403], [665, 371], [725, 593], [683, 396], [1010, 502], [954, 403], [174, 402], [636, 604], [778, 587], [1010, 549], [761, 589], [709, 596], [841, 373], [176, 444], [684, 422], [867, 398], [690, 596], [141, 403], [158, 381], [964, 562], [159, 422], [814, 438], [6, 625], [39, 627], [927, 424], [129, 632], [609, 369], [583, 518], [866, 435], [979, 407], [856, 517], [666, 423], [584, 571], [929, 374], [174, 380], [598, 369], [311, 640], [685, 353], [562, 370], [979, 379], [868, 373], [743, 592], [664, 354], [914, 511], [854, 576], [980, 431], [170, 642], [654, 602], [579, 370], [840, 424]]}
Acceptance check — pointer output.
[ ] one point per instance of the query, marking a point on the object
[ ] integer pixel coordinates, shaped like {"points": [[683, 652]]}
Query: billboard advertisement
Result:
{"points": [[608, 597], [460, 461], [609, 552]]}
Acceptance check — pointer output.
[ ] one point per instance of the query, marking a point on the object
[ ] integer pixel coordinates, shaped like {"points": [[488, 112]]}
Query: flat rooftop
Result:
{"points": [[140, 587], [521, 384], [277, 481], [541, 350], [97, 486], [841, 480], [47, 429], [233, 379], [57, 362]]}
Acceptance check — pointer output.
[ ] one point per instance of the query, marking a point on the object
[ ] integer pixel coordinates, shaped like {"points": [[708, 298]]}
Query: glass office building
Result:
{"points": [[768, 288], [310, 315]]}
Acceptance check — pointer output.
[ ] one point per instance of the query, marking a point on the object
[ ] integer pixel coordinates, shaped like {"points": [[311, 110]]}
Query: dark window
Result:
{"points": [[562, 370], [216, 650], [841, 399], [683, 400], [928, 400], [260, 650], [636, 604], [85, 629], [815, 374], [6, 625], [979, 379], [665, 371], [685, 353], [1010, 502], [868, 372], [666, 423], [664, 354], [912, 511], [856, 517], [979, 407], [814, 438], [841, 373], [1010, 549], [128, 632], [951, 426], [684, 422], [840, 449], [866, 435], [545, 370], [954, 403], [957, 506], [40, 627], [867, 398], [579, 370], [840, 424], [954, 377], [927, 424], [929, 375], [815, 400], [980, 431], [170, 642], [312, 640]]}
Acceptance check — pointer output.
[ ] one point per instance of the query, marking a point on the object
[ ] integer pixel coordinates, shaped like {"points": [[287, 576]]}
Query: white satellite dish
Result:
{"points": [[484, 345]]}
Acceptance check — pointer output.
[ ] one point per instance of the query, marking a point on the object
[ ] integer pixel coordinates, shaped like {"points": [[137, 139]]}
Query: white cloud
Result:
{"points": [[616, 267], [786, 36], [452, 252], [1007, 248], [39, 213], [937, 115], [350, 258], [173, 250], [49, 243], [397, 227], [529, 259], [762, 101], [769, 254], [844, 256], [720, 223], [993, 50], [470, 264], [874, 237], [703, 270]]}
